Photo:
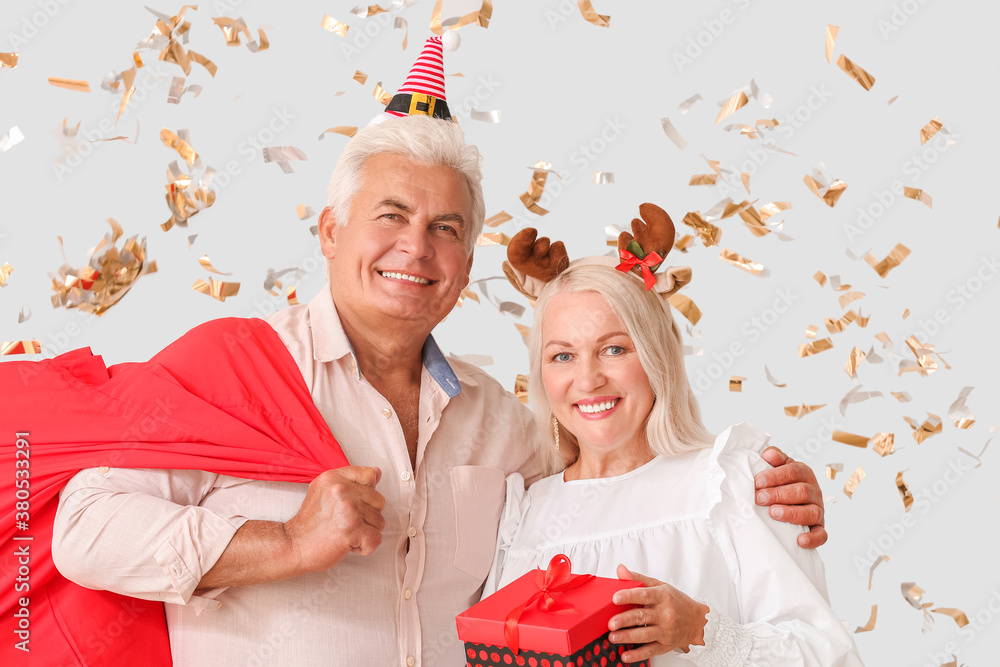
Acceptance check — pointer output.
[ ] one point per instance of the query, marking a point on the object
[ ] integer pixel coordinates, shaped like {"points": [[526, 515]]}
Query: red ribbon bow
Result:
{"points": [[629, 260], [557, 578]]}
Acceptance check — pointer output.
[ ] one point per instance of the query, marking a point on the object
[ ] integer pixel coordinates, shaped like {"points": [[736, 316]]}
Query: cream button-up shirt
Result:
{"points": [[153, 534]]}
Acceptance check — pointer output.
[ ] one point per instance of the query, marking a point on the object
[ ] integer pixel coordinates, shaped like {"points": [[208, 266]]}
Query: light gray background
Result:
{"points": [[560, 83]]}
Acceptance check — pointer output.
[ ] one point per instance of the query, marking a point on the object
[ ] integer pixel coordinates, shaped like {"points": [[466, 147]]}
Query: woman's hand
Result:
{"points": [[794, 496], [666, 618]]}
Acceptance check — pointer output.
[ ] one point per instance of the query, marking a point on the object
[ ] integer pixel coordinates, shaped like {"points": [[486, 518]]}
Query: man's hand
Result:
{"points": [[793, 493], [341, 514], [667, 618]]}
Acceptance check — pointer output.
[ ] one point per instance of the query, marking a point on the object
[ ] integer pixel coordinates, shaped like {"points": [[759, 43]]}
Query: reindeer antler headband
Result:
{"points": [[533, 262]]}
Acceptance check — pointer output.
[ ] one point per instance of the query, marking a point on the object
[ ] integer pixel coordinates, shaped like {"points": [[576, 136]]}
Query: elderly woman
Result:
{"points": [[638, 484]]}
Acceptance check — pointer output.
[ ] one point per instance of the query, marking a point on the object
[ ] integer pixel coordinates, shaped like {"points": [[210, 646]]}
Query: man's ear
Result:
{"points": [[327, 232]]}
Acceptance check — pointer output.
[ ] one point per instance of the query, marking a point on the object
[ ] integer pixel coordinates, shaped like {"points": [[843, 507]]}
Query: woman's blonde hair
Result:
{"points": [[674, 424]]}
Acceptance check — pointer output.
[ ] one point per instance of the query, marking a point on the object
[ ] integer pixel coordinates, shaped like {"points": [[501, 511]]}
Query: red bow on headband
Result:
{"points": [[557, 578], [629, 260]]}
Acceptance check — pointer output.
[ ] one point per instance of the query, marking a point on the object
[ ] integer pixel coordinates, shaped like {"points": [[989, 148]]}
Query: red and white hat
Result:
{"points": [[423, 91]]}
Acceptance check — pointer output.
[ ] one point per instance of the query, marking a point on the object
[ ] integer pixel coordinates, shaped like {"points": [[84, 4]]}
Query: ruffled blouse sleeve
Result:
{"points": [[516, 505], [786, 618]]}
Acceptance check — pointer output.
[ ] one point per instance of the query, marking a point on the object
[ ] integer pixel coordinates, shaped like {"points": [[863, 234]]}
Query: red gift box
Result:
{"points": [[549, 618]]}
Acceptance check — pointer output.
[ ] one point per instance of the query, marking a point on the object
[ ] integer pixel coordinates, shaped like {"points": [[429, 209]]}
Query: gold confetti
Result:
{"points": [[25, 315], [832, 469], [931, 426], [745, 177], [231, 29], [709, 234], [850, 439], [536, 188], [856, 72], [852, 483], [10, 347], [912, 593], [851, 367], [871, 572], [703, 179], [364, 12], [681, 243], [8, 60], [919, 195], [771, 379], [498, 219], [216, 289], [70, 84], [811, 331], [686, 105], [591, 16], [685, 307], [5, 272], [925, 364], [837, 326], [901, 396], [400, 22], [773, 208], [893, 99], [109, 274], [928, 131], [283, 156], [291, 295], [492, 238], [831, 38], [521, 388], [524, 331], [346, 130], [604, 178], [360, 77], [467, 294], [850, 297], [815, 347], [883, 444], [800, 411], [820, 277], [870, 625], [673, 133], [486, 116], [304, 212], [904, 491], [333, 25], [829, 194], [892, 260], [958, 411], [732, 105], [741, 262], [206, 264], [957, 615], [481, 18], [186, 198], [171, 140], [381, 94], [736, 383]]}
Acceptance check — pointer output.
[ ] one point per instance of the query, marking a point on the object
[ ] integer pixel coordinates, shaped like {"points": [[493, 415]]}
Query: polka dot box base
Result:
{"points": [[599, 653]]}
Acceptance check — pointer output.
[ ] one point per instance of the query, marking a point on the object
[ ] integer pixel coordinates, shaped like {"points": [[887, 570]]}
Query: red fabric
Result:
{"points": [[254, 420]]}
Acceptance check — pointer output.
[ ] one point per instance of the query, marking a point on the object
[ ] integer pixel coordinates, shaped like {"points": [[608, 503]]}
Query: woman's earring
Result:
{"points": [[555, 431]]}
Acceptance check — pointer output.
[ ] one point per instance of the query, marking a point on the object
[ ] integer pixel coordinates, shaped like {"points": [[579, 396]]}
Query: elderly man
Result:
{"points": [[366, 565]]}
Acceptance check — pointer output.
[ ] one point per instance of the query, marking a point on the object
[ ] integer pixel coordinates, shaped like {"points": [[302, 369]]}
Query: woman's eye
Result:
{"points": [[616, 350], [561, 357]]}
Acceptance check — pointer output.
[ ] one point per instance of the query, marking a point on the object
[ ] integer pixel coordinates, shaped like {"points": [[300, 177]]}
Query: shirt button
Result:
{"points": [[386, 412], [104, 470], [407, 594], [412, 532], [410, 661], [405, 475]]}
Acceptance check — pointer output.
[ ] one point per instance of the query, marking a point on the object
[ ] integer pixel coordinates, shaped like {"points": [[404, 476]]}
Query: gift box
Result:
{"points": [[549, 618]]}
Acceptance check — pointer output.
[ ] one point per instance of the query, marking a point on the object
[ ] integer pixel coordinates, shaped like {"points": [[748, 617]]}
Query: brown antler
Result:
{"points": [[656, 234], [537, 257]]}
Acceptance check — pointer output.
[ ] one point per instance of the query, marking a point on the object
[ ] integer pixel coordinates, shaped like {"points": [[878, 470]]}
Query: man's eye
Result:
{"points": [[448, 228]]}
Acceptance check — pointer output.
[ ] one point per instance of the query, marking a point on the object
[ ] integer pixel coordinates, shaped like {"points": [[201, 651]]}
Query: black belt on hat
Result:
{"points": [[419, 104]]}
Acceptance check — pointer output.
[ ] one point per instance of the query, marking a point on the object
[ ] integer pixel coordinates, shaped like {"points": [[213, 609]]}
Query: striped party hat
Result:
{"points": [[423, 91]]}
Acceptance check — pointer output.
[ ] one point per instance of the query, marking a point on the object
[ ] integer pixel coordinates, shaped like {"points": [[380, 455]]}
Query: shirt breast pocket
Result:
{"points": [[479, 498]]}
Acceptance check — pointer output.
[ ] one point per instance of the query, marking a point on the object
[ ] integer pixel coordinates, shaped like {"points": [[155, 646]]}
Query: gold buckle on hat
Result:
{"points": [[421, 103]]}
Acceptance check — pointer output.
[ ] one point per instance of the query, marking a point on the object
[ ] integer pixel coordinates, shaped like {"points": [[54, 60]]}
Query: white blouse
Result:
{"points": [[689, 521]]}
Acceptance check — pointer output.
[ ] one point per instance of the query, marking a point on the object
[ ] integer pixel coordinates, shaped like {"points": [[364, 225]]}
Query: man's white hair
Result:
{"points": [[418, 138]]}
